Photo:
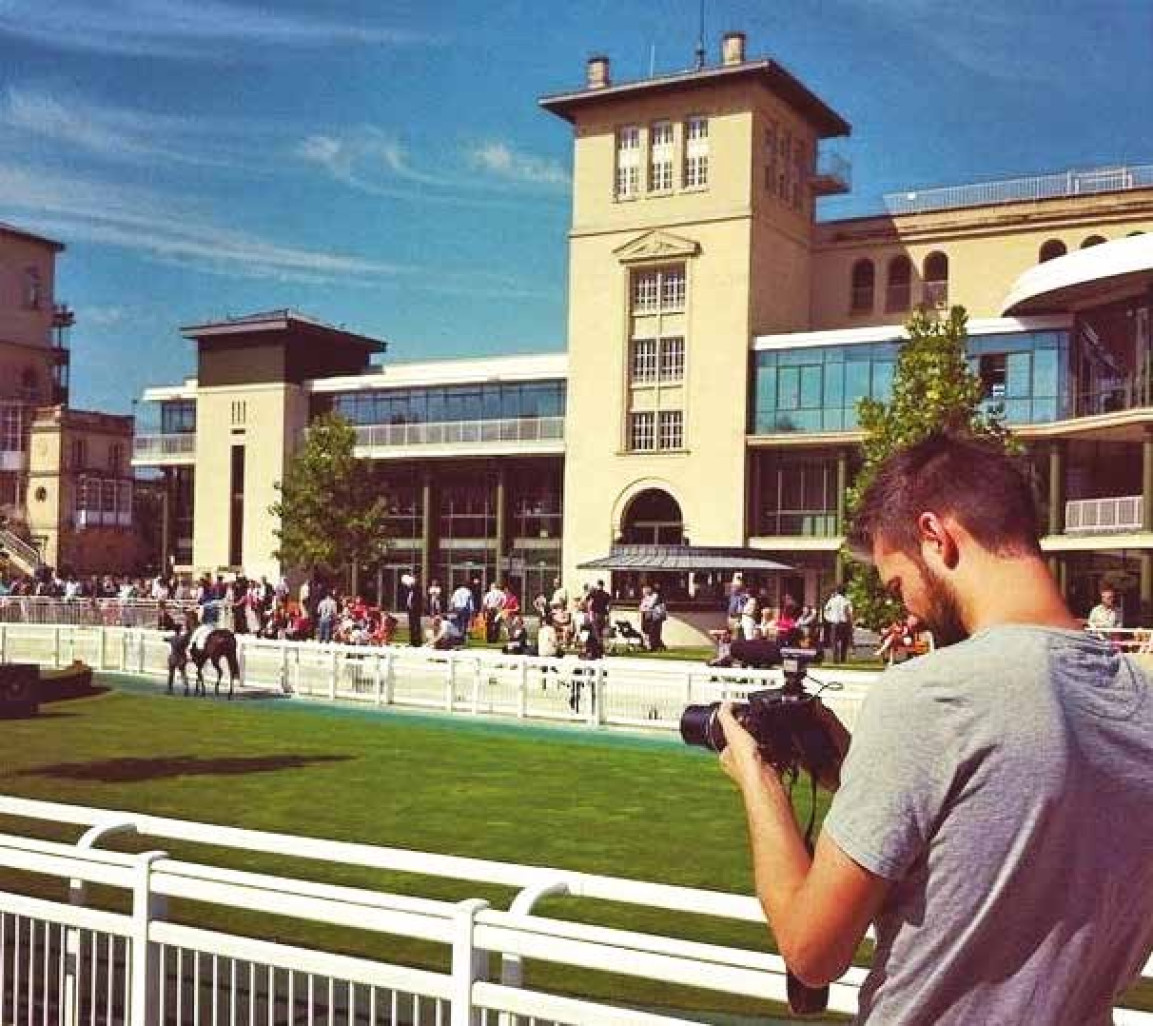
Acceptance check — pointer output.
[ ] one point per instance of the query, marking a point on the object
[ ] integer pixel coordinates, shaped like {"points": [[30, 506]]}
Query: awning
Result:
{"points": [[675, 558], [1068, 282]]}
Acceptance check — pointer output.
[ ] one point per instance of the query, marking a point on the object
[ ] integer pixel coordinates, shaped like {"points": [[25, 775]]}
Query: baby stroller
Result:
{"points": [[626, 635]]}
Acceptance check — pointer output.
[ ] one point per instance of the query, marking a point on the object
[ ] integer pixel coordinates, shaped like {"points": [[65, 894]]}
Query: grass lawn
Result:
{"points": [[633, 806]]}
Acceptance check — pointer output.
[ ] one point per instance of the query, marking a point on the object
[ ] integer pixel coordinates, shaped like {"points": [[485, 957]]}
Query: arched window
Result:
{"points": [[1050, 250], [936, 276], [1093, 240], [898, 291], [861, 299], [653, 518]]}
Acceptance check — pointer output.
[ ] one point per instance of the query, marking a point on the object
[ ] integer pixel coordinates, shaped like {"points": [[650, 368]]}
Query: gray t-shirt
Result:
{"points": [[1005, 786]]}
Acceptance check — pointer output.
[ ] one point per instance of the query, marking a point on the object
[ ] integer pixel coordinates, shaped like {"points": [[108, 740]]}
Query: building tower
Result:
{"points": [[692, 228]]}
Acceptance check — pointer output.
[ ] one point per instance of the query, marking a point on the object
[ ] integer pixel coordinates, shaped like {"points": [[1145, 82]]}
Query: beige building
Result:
{"points": [[65, 475], [720, 335]]}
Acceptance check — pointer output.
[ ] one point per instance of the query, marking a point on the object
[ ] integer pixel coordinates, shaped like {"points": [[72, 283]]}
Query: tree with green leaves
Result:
{"points": [[331, 512], [934, 389]]}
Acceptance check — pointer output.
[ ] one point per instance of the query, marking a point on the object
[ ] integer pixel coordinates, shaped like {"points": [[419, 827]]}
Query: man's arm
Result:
{"points": [[818, 907]]}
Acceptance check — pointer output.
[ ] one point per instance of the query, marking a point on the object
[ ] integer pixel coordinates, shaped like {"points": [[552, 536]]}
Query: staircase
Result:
{"points": [[20, 554]]}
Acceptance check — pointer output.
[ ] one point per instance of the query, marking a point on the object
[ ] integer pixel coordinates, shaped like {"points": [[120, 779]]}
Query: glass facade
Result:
{"points": [[817, 388], [438, 404]]}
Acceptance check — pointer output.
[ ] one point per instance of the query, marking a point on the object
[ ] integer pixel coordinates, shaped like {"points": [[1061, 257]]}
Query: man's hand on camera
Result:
{"points": [[740, 759]]}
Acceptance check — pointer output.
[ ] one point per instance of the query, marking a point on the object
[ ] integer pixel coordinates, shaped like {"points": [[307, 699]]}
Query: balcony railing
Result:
{"points": [[833, 174], [461, 432], [1017, 190], [87, 518], [1119, 513], [163, 447]]}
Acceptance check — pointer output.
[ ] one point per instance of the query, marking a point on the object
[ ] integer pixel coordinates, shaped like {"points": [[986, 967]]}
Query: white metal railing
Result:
{"points": [[617, 692], [87, 612], [164, 446], [1117, 513], [1015, 190], [461, 432], [71, 964], [139, 967]]}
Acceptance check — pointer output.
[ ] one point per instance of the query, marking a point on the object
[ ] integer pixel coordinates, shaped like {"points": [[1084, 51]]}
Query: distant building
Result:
{"points": [[65, 475], [719, 338]]}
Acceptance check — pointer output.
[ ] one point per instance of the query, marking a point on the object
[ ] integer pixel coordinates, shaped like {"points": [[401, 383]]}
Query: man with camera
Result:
{"points": [[995, 811]]}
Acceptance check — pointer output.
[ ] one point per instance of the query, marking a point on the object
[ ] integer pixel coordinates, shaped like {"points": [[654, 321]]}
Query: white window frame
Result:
{"points": [[696, 175], [674, 287], [671, 367], [642, 431], [646, 292], [670, 429], [661, 156], [628, 166], [643, 361]]}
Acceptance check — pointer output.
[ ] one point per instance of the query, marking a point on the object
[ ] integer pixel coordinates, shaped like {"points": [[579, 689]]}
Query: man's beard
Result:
{"points": [[943, 615]]}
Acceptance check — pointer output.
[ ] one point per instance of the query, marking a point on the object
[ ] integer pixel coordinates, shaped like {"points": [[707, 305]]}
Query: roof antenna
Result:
{"points": [[700, 51]]}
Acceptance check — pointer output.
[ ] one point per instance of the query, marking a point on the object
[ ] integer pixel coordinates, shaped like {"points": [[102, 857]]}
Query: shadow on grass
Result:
{"points": [[122, 771]]}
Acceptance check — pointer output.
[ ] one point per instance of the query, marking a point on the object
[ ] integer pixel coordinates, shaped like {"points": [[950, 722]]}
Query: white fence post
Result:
{"points": [[522, 690], [55, 646], [597, 713], [139, 650], [332, 670], [477, 674], [468, 964], [378, 672], [389, 677], [123, 650], [100, 648], [143, 979], [450, 682]]}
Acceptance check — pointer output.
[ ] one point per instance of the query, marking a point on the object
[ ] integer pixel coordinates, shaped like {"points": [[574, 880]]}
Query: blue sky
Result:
{"points": [[384, 165]]}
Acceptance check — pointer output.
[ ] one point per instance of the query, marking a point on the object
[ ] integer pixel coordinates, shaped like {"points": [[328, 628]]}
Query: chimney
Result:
{"points": [[598, 71], [732, 48]]}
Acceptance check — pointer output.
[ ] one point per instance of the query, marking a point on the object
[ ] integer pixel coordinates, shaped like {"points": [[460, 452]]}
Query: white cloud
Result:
{"points": [[122, 134], [500, 159], [178, 29], [161, 229], [376, 163]]}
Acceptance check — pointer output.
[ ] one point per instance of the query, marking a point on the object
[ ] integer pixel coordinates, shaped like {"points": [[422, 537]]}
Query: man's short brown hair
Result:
{"points": [[973, 481]]}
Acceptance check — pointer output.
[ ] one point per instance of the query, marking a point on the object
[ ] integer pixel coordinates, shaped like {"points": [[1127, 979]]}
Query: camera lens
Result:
{"points": [[701, 726]]}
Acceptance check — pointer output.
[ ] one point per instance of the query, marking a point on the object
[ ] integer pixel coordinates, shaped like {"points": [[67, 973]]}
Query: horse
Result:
{"points": [[219, 643]]}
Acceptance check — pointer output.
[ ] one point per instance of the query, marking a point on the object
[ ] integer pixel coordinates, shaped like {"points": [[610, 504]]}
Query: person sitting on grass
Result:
{"points": [[443, 634], [517, 638]]}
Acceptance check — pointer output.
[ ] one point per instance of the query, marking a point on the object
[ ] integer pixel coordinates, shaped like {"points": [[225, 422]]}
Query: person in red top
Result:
{"points": [[510, 610]]}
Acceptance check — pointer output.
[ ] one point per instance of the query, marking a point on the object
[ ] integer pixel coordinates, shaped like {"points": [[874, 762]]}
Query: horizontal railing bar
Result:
{"points": [[571, 1011], [305, 960], [77, 916]]}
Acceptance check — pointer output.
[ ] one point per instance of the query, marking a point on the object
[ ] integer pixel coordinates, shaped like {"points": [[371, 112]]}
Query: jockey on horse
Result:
{"points": [[207, 642]]}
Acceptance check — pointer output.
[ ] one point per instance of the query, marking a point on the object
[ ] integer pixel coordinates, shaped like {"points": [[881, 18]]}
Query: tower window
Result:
{"points": [[696, 152], [661, 156], [642, 436], [1050, 250], [628, 162]]}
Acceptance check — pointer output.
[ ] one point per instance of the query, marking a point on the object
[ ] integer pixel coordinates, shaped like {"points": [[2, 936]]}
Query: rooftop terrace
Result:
{"points": [[1017, 190]]}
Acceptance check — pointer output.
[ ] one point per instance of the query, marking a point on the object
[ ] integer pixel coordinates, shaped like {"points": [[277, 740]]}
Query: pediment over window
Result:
{"points": [[656, 245]]}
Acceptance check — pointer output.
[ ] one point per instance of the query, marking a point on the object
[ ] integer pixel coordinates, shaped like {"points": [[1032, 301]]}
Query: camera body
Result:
{"points": [[790, 725]]}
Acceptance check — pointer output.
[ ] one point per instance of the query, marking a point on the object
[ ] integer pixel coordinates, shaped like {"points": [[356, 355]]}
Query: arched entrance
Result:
{"points": [[653, 517]]}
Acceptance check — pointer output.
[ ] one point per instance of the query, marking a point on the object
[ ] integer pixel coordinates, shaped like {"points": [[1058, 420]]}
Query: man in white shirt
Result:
{"points": [[493, 603], [839, 617], [1105, 616]]}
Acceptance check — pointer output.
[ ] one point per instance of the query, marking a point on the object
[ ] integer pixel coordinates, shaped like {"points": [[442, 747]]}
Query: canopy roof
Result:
{"points": [[682, 557], [1078, 279]]}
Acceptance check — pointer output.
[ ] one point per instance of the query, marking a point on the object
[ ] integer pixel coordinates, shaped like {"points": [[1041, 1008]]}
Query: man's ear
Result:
{"points": [[939, 537]]}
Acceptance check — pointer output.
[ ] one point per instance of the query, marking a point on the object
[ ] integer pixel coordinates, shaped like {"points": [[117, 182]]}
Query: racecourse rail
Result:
{"points": [[128, 962], [618, 692]]}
